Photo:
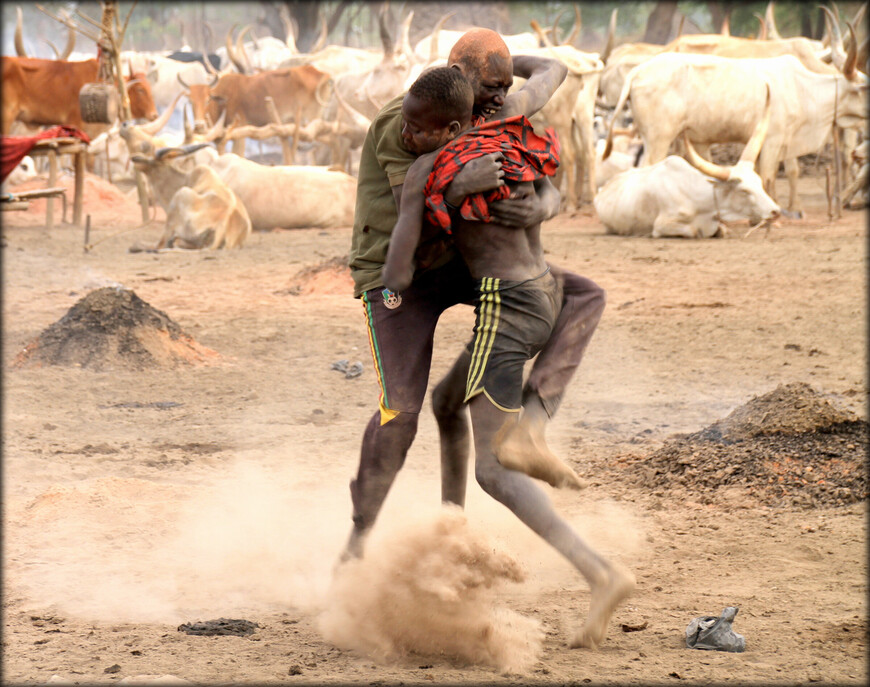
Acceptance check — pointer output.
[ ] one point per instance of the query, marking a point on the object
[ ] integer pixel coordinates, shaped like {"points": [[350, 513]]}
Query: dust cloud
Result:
{"points": [[265, 536], [136, 550], [429, 589]]}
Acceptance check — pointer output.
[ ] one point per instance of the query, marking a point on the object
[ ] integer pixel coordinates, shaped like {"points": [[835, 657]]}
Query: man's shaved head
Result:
{"points": [[482, 56], [475, 48]]}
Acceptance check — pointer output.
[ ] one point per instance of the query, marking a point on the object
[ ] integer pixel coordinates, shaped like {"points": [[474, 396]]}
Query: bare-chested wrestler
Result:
{"points": [[518, 299], [401, 330]]}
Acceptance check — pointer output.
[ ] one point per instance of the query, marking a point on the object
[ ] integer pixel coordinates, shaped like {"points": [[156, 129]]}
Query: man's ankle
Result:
{"points": [[534, 412]]}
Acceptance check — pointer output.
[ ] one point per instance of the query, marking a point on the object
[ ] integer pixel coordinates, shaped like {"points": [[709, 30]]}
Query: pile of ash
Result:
{"points": [[111, 329], [792, 446], [330, 277]]}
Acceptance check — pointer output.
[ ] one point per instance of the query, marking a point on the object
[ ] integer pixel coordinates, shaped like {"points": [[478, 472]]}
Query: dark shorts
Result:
{"points": [[514, 322], [401, 336]]}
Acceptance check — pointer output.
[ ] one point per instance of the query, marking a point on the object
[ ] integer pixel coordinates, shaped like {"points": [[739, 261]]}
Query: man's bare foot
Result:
{"points": [[521, 446], [605, 598]]}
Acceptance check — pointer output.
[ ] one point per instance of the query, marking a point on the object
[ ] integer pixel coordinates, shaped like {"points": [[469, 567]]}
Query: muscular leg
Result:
{"points": [[384, 448], [609, 584], [523, 446], [448, 404], [401, 337]]}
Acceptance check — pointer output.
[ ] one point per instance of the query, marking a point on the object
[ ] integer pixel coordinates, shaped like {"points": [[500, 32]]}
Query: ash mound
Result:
{"points": [[792, 446], [110, 329], [330, 277]]}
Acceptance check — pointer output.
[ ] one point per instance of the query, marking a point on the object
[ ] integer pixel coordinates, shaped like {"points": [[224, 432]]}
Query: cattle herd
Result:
{"points": [[636, 123]]}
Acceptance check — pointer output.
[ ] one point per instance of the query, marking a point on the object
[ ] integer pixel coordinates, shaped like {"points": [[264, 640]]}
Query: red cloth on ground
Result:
{"points": [[14, 148], [527, 157]]}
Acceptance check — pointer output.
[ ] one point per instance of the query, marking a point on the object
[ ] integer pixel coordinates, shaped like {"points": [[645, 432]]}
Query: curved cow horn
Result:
{"points": [[771, 22], [542, 35], [433, 44], [386, 39], [762, 31], [726, 25], [753, 146], [240, 46], [405, 37], [836, 38], [359, 119], [680, 27], [209, 67], [575, 31], [711, 169], [289, 29], [19, 40], [169, 153], [231, 51], [151, 128], [849, 67], [554, 31], [181, 81], [320, 44], [53, 47], [70, 45], [217, 130], [611, 37]]}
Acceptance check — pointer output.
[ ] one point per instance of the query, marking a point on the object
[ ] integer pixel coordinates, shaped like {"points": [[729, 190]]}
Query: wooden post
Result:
{"points": [[838, 206], [112, 51], [828, 190], [79, 193], [52, 182]]}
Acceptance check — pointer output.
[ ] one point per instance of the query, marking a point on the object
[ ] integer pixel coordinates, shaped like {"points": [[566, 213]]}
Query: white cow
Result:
{"points": [[24, 171], [570, 111], [676, 198], [289, 196], [719, 99], [201, 210]]}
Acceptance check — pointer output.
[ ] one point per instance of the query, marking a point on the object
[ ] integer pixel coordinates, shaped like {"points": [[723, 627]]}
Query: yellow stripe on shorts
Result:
{"points": [[490, 310]]}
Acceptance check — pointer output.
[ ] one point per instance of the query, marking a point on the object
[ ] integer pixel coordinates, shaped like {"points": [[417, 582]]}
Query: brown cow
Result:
{"points": [[243, 97], [46, 92]]}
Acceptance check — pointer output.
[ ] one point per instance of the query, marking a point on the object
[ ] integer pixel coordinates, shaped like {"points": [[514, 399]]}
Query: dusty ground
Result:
{"points": [[138, 500]]}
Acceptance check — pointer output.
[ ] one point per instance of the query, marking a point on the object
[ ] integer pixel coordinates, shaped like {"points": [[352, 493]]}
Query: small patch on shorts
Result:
{"points": [[392, 300]]}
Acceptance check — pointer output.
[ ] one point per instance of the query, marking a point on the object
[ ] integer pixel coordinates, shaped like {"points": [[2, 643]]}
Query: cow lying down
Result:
{"points": [[289, 196], [201, 210], [676, 198]]}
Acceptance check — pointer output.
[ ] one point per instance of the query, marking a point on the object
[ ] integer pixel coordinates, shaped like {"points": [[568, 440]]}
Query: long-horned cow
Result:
{"points": [[679, 199], [289, 196], [296, 91], [201, 211], [718, 100], [46, 92]]}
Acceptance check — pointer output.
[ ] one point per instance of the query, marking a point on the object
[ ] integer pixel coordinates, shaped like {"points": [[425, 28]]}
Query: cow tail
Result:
{"points": [[623, 97], [323, 98]]}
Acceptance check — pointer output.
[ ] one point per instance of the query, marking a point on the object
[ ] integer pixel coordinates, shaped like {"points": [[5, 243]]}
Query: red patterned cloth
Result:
{"points": [[14, 148], [527, 157]]}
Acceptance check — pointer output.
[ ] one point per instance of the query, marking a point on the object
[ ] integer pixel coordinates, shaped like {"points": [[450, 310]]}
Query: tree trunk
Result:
{"points": [[658, 26]]}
